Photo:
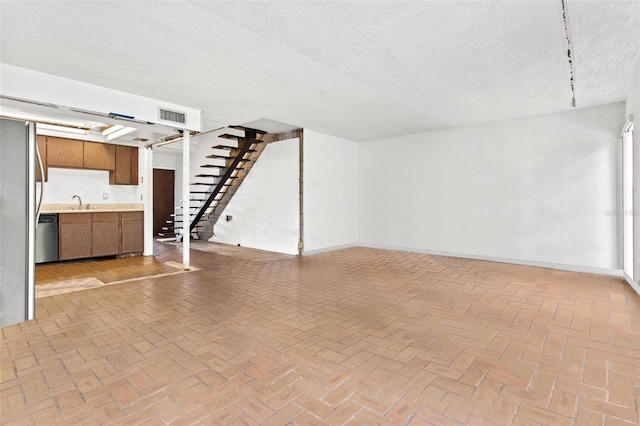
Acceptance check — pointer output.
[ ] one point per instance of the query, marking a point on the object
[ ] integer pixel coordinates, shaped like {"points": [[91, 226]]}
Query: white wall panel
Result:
{"points": [[541, 189], [90, 185], [632, 106], [265, 207], [330, 191]]}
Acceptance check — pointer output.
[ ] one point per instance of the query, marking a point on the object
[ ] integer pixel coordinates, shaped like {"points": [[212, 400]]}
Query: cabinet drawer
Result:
{"points": [[132, 215], [74, 218], [105, 217]]}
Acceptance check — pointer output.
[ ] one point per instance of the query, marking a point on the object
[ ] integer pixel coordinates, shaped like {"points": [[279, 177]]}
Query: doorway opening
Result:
{"points": [[163, 202]]}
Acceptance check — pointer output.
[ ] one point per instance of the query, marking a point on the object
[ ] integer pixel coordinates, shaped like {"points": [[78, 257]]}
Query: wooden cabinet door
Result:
{"points": [[65, 152], [74, 235], [126, 171], [132, 233], [104, 234], [42, 147], [99, 156]]}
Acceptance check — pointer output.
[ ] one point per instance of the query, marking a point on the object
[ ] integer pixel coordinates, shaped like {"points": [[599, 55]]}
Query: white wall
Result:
{"points": [[330, 192], [540, 189], [265, 207], [632, 106], [90, 185]]}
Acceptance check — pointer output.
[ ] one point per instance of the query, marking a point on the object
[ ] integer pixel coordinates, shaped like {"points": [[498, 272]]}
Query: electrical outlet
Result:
{"points": [[105, 196]]}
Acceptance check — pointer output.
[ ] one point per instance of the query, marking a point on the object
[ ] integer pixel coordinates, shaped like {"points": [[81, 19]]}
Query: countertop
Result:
{"points": [[91, 208]]}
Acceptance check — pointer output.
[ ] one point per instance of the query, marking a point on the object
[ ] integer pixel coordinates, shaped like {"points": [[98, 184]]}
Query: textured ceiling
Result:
{"points": [[359, 70]]}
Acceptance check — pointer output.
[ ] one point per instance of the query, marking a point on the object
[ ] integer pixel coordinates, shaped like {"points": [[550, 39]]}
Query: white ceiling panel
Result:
{"points": [[358, 70]]}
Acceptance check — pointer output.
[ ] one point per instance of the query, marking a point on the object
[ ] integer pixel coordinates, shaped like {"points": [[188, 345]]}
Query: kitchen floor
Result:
{"points": [[70, 276], [105, 270], [355, 336]]}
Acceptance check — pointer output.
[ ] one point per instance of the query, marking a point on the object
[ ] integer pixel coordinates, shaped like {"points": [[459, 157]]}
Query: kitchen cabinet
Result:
{"points": [[65, 153], [74, 235], [131, 232], [84, 235], [42, 147], [99, 156], [121, 161], [126, 168], [104, 234]]}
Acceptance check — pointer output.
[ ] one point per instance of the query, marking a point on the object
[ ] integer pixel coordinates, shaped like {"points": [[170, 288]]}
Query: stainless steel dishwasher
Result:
{"points": [[47, 238]]}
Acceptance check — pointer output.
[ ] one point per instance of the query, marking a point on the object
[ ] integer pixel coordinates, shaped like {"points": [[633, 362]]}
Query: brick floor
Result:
{"points": [[356, 336]]}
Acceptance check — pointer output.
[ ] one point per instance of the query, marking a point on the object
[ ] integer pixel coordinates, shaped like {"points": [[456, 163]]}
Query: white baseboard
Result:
{"points": [[326, 249], [634, 285], [549, 265]]}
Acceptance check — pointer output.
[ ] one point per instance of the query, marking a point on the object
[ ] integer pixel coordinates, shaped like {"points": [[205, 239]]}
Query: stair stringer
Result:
{"points": [[207, 229], [207, 225]]}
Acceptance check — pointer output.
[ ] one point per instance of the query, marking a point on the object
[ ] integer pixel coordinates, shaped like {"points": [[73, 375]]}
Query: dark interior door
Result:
{"points": [[163, 198]]}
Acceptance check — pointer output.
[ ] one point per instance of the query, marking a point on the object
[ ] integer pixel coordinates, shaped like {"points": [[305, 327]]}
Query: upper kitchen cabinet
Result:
{"points": [[126, 171], [65, 153], [42, 148], [99, 156]]}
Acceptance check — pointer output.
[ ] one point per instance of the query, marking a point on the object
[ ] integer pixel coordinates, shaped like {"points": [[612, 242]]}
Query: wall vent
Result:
{"points": [[173, 116]]}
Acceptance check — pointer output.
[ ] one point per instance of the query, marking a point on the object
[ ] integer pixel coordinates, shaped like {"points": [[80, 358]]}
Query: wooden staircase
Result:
{"points": [[217, 180]]}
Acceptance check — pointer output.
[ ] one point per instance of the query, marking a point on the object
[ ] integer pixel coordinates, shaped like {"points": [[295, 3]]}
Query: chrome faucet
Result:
{"points": [[79, 200]]}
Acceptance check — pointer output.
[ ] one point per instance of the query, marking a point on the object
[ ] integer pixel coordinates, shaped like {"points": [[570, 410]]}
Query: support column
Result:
{"points": [[301, 191], [186, 194], [146, 177]]}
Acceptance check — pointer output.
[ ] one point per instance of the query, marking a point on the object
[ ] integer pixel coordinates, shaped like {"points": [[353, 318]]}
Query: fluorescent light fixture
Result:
{"points": [[121, 132], [57, 128], [111, 129], [21, 115]]}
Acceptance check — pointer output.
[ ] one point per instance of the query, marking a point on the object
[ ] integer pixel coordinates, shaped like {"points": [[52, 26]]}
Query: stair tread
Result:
{"points": [[222, 146], [238, 127], [231, 148], [218, 156], [230, 136]]}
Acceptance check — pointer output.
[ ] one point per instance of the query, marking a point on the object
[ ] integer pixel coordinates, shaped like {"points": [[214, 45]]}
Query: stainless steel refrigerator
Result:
{"points": [[17, 221]]}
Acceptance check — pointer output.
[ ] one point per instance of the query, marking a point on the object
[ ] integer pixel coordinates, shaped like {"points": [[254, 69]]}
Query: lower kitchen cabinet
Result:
{"points": [[132, 232], [84, 235], [74, 235], [104, 235]]}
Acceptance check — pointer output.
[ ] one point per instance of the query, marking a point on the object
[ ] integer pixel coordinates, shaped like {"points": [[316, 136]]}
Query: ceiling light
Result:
{"points": [[42, 126], [21, 115], [111, 129], [120, 132]]}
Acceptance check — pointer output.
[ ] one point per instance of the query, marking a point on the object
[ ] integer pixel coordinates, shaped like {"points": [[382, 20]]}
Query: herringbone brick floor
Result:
{"points": [[356, 336]]}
